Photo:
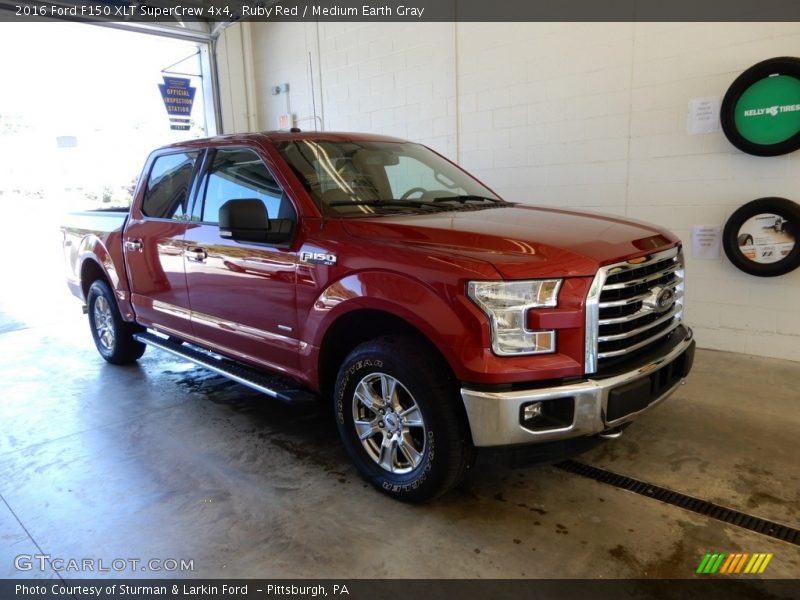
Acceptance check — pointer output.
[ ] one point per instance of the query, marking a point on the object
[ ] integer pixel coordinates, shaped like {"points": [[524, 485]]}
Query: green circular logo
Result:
{"points": [[768, 112]]}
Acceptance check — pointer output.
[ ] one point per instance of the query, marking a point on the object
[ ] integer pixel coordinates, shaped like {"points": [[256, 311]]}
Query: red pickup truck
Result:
{"points": [[438, 318]]}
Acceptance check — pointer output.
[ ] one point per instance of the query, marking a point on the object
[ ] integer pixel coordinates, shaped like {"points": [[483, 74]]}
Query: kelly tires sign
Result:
{"points": [[760, 113]]}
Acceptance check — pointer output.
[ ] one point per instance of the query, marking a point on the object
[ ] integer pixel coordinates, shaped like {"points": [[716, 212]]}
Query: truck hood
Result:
{"points": [[520, 241]]}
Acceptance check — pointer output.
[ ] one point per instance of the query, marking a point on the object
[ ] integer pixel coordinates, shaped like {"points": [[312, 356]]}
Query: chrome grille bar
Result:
{"points": [[634, 316], [677, 308], [625, 302], [641, 344], [641, 280]]}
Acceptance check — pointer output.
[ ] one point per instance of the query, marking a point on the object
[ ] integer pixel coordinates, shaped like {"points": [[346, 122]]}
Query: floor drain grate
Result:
{"points": [[702, 507]]}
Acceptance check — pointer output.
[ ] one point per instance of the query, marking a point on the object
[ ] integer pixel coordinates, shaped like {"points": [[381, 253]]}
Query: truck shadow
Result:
{"points": [[307, 432]]}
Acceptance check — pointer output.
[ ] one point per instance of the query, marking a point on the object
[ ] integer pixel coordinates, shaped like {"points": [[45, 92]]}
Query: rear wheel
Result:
{"points": [[397, 414], [112, 336]]}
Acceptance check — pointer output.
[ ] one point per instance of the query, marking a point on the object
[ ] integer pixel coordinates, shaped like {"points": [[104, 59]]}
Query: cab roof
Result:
{"points": [[284, 136]]}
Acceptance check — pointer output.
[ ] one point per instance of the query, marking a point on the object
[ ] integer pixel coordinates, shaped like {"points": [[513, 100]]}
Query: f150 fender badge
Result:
{"points": [[318, 258]]}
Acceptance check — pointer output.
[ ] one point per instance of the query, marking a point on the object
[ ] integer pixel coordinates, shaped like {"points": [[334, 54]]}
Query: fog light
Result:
{"points": [[553, 413], [531, 411]]}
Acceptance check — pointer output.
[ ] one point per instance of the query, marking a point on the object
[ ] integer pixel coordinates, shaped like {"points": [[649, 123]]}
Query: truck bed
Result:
{"points": [[91, 231]]}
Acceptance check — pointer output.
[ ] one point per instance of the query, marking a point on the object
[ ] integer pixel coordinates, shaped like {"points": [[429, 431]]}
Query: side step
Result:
{"points": [[275, 386]]}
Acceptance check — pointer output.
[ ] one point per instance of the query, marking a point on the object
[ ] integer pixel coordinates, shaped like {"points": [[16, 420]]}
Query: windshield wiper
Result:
{"points": [[468, 198], [382, 203]]}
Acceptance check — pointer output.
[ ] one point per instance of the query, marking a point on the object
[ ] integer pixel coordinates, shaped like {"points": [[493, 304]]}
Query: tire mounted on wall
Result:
{"points": [[784, 65], [733, 238]]}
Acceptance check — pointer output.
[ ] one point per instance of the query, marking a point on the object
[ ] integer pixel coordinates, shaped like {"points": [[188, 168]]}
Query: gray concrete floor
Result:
{"points": [[165, 460]]}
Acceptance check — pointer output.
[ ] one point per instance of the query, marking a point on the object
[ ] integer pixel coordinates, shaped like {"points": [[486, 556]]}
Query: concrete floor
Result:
{"points": [[165, 460]]}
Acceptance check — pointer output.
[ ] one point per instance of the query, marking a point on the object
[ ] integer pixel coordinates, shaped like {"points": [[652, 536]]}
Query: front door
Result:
{"points": [[242, 295]]}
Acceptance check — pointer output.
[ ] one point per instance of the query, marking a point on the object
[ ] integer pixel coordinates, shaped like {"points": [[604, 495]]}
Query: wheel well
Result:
{"points": [[355, 328], [90, 272]]}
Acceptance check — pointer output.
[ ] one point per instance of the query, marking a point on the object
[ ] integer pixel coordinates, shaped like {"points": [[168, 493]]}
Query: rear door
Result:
{"points": [[242, 294], [154, 244]]}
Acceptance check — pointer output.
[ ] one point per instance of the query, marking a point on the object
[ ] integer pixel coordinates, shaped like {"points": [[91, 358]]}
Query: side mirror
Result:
{"points": [[247, 221]]}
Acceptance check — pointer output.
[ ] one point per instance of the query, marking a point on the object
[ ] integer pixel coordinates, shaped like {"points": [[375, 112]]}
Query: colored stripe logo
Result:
{"points": [[733, 564]]}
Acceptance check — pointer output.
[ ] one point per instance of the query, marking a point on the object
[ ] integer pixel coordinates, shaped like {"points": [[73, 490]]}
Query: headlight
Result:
{"points": [[506, 303]]}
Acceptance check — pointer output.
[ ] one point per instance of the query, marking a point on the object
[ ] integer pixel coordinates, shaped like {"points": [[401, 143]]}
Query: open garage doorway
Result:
{"points": [[80, 109], [85, 100]]}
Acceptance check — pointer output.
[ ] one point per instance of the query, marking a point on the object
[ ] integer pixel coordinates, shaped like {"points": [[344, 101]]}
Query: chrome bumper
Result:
{"points": [[494, 417]]}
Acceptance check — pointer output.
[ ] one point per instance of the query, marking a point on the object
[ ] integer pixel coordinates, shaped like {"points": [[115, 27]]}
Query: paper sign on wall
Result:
{"points": [[285, 121], [703, 115], [706, 242]]}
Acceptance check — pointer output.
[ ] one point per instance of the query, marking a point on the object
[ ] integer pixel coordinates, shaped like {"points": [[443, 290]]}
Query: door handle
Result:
{"points": [[133, 245], [195, 255]]}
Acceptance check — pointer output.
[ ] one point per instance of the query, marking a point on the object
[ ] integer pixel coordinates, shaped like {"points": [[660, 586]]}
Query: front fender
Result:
{"points": [[443, 316], [455, 326]]}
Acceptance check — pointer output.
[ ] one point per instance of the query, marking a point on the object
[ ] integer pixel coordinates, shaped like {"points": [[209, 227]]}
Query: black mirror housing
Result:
{"points": [[246, 220]]}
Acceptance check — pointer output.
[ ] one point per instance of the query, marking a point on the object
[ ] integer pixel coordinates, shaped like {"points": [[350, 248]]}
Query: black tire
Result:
{"points": [[784, 65], [113, 337], [777, 206], [440, 446]]}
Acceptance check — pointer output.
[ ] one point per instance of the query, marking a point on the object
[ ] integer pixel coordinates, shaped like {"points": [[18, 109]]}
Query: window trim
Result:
{"points": [[198, 202], [208, 154], [189, 200]]}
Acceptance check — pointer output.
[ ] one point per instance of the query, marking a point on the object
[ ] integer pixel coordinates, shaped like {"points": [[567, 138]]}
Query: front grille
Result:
{"points": [[631, 307]]}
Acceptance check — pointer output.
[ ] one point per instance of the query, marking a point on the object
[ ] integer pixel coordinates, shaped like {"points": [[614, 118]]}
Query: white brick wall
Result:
{"points": [[394, 79], [585, 115], [231, 74]]}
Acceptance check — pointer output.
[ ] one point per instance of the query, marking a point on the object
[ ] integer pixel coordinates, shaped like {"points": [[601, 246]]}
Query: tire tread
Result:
{"points": [[127, 349], [453, 432]]}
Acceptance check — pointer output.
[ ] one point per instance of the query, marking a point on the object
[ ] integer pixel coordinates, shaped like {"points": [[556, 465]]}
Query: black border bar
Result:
{"points": [[709, 588], [411, 11]]}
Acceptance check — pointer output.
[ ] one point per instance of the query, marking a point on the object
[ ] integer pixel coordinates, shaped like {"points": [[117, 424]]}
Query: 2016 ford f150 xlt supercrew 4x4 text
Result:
{"points": [[438, 318]]}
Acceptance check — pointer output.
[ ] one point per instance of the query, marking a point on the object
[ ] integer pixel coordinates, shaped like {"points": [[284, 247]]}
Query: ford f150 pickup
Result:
{"points": [[436, 317]]}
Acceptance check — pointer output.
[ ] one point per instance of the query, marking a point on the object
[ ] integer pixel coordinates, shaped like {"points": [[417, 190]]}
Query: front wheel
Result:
{"points": [[397, 414], [112, 336]]}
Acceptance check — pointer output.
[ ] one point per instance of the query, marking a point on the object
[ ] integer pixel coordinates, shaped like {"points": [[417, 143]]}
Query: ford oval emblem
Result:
{"points": [[664, 299], [660, 299]]}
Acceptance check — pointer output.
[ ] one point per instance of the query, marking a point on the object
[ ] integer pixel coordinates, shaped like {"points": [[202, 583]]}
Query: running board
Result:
{"points": [[275, 386]]}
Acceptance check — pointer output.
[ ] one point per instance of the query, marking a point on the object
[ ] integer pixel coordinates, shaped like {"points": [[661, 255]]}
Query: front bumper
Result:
{"points": [[496, 418]]}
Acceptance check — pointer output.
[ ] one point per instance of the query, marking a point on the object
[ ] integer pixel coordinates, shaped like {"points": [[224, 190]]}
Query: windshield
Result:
{"points": [[371, 178]]}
